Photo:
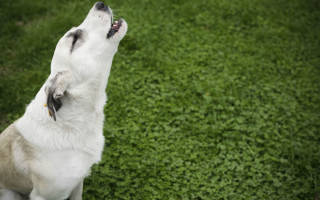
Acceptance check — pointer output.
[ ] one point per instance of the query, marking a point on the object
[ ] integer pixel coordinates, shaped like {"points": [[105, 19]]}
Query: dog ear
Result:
{"points": [[55, 90]]}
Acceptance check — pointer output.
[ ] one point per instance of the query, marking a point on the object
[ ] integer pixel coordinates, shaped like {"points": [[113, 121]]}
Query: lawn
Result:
{"points": [[210, 99]]}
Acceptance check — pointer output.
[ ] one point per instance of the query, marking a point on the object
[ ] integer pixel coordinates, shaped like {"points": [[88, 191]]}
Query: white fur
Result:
{"points": [[68, 147], [9, 195]]}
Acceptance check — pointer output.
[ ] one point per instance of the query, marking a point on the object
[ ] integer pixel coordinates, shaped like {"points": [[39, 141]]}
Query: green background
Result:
{"points": [[207, 99]]}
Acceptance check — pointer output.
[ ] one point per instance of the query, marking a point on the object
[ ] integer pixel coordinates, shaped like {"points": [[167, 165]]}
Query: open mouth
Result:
{"points": [[115, 26]]}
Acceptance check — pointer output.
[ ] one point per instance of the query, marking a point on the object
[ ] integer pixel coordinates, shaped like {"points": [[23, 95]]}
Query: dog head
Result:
{"points": [[88, 49]]}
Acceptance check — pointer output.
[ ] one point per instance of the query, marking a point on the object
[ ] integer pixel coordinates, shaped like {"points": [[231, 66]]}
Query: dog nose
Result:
{"points": [[100, 6]]}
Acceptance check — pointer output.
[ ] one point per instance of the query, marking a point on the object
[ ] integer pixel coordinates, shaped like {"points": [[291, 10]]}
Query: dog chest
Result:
{"points": [[61, 165]]}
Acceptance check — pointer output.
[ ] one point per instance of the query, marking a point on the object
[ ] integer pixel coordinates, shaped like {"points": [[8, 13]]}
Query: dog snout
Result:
{"points": [[101, 6]]}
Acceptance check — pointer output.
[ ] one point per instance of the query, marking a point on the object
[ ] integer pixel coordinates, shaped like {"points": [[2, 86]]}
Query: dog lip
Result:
{"points": [[115, 26]]}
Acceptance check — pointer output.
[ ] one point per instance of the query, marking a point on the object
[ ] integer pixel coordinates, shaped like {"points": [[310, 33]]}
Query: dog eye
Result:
{"points": [[75, 38], [76, 35]]}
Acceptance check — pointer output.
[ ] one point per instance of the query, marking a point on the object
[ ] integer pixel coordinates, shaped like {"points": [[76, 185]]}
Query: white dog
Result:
{"points": [[46, 154]]}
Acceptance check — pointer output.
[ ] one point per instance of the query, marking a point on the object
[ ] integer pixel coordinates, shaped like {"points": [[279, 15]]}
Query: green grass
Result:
{"points": [[207, 99]]}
